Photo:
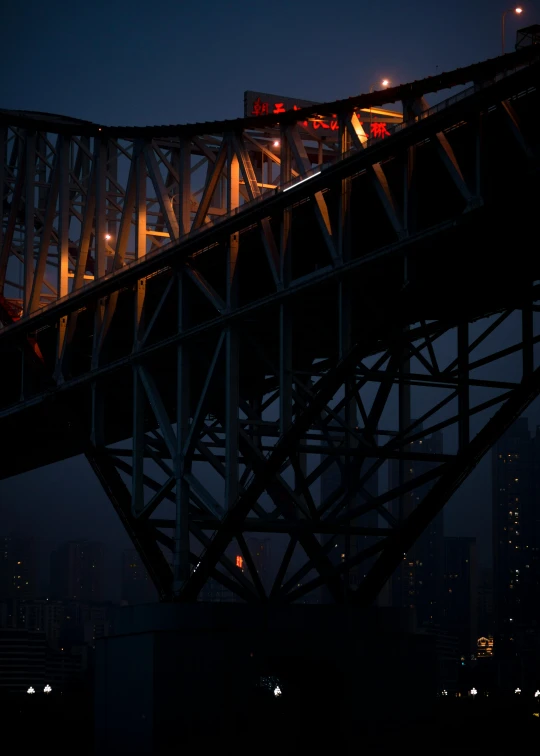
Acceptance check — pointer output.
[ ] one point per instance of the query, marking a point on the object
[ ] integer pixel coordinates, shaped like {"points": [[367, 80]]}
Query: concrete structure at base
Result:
{"points": [[177, 674]]}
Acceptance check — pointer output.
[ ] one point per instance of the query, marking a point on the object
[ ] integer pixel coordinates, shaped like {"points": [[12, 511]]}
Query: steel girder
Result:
{"points": [[238, 394]]}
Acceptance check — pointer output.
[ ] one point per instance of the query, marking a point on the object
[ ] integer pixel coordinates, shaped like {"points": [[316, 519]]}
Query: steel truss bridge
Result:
{"points": [[216, 313]]}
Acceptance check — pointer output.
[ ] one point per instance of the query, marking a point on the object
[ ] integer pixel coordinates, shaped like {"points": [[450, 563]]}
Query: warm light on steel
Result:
{"points": [[276, 143], [107, 236]]}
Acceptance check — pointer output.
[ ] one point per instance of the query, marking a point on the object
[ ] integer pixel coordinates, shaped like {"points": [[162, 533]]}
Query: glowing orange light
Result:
{"points": [[276, 143], [385, 82], [239, 562], [107, 236], [519, 10]]}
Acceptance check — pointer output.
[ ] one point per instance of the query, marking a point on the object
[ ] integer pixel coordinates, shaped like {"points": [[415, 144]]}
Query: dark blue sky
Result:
{"points": [[148, 63], [144, 63]]}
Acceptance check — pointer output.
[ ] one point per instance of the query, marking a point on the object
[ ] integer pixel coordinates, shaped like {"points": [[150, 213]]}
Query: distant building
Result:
{"points": [[23, 660], [516, 535], [45, 616], [418, 581], [485, 602], [484, 647], [460, 592], [260, 550], [77, 570], [18, 572], [137, 588]]}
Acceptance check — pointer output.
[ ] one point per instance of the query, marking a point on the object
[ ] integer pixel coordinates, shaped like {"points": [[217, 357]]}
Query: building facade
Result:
{"points": [[417, 584], [460, 592], [77, 571], [516, 547], [18, 573]]}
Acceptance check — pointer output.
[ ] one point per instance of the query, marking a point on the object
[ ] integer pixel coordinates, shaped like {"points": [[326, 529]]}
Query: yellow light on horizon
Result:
{"points": [[385, 82], [518, 10]]}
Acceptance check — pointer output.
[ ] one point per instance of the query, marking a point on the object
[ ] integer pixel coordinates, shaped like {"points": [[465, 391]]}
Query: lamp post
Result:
{"points": [[517, 10], [384, 83]]}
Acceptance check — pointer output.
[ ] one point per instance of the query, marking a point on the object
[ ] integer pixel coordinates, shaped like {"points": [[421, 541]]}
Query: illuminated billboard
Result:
{"points": [[375, 121]]}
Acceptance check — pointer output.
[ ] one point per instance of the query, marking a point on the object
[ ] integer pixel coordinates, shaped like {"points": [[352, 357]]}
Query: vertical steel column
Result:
{"points": [[285, 315], [100, 155], [63, 216], [97, 433], [3, 192], [181, 465], [137, 459], [63, 242], [479, 163], [111, 212], [232, 396], [29, 219], [527, 334], [100, 242], [463, 385], [183, 213], [404, 421], [140, 237]]}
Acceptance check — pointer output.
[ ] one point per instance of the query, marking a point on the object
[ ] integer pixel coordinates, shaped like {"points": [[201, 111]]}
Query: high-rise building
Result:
{"points": [[417, 583], [77, 569], [23, 660], [485, 602], [137, 588], [516, 542], [17, 567], [460, 592]]}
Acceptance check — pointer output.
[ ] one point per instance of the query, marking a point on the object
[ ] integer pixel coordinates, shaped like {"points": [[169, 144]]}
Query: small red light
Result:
{"points": [[239, 562]]}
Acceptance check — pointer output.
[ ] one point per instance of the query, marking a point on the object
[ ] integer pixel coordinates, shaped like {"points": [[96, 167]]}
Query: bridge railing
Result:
{"points": [[368, 143]]}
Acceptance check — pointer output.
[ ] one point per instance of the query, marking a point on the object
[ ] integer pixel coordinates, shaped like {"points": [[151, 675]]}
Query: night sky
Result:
{"points": [[145, 63]]}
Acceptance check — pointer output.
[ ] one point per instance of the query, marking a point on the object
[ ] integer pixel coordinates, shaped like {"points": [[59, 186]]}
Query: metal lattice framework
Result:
{"points": [[215, 331]]}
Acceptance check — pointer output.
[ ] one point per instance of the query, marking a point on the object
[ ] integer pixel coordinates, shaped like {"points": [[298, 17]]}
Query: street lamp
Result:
{"points": [[474, 692], [517, 691], [384, 83], [30, 690], [517, 10], [47, 689]]}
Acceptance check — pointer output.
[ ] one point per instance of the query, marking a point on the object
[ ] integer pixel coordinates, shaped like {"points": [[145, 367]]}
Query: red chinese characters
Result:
{"points": [[260, 108], [279, 107], [379, 130]]}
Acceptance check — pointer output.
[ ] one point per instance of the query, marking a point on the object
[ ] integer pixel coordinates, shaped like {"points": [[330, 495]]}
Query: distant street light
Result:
{"points": [[108, 237], [518, 11], [517, 691], [30, 690], [277, 691], [384, 83], [537, 694], [474, 692], [47, 689]]}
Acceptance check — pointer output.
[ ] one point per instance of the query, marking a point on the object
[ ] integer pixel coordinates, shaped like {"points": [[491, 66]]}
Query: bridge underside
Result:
{"points": [[227, 381]]}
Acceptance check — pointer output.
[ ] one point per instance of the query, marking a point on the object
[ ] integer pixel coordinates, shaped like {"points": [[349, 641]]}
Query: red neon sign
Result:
{"points": [[377, 130]]}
